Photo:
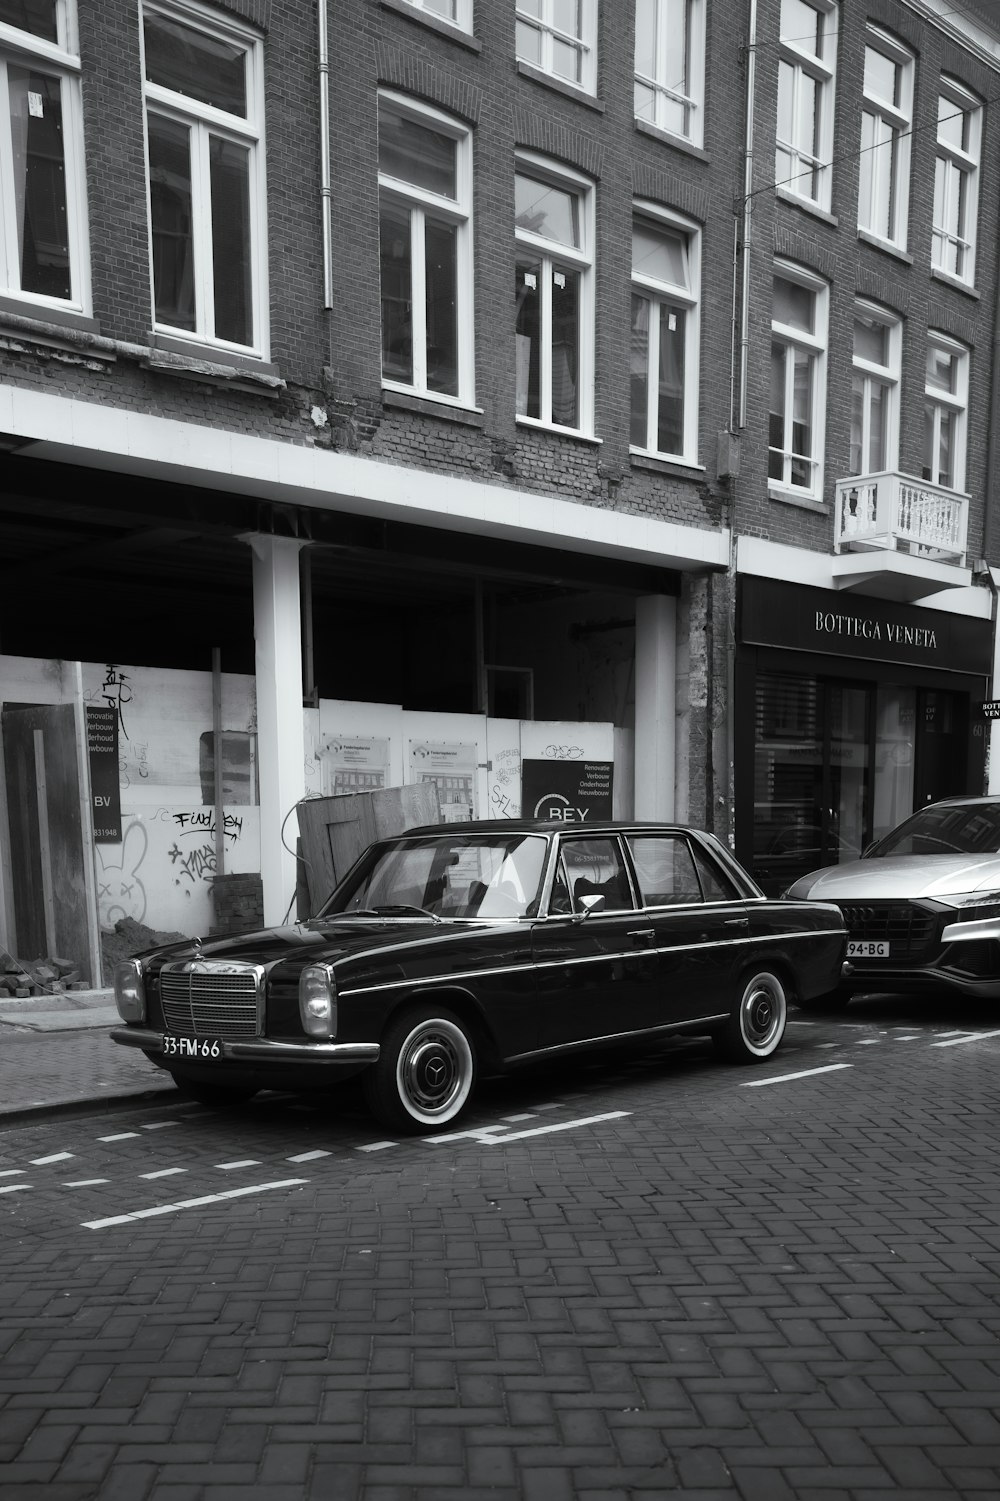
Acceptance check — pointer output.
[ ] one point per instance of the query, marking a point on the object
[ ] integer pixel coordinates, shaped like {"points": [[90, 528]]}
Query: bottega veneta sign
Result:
{"points": [[800, 618]]}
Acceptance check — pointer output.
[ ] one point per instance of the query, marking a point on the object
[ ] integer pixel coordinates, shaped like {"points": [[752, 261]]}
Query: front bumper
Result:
{"points": [[259, 1050]]}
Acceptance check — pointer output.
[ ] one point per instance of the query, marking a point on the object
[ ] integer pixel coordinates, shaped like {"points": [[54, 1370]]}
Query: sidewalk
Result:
{"points": [[55, 1053]]}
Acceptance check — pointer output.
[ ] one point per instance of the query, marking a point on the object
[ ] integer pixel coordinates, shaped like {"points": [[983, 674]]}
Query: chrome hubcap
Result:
{"points": [[431, 1071], [761, 1015]]}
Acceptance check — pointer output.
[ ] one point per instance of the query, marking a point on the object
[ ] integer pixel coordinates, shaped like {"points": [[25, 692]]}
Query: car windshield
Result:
{"points": [[450, 875], [949, 829]]}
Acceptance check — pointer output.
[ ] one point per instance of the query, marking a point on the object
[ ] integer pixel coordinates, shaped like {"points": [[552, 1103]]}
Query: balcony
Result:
{"points": [[899, 537]]}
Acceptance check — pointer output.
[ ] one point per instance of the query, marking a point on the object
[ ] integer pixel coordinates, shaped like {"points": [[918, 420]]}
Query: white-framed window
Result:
{"points": [[204, 88], [559, 37], [799, 316], [44, 252], [663, 359], [425, 250], [878, 345], [458, 12], [554, 295], [956, 182], [670, 66], [946, 404], [886, 121], [806, 73]]}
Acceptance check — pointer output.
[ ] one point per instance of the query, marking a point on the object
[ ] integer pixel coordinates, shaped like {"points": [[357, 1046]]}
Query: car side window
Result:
{"points": [[595, 867], [665, 868], [715, 882]]}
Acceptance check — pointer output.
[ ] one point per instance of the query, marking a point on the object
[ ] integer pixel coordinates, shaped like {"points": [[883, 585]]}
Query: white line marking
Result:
{"points": [[954, 1034], [828, 1068], [953, 1042], [868, 1042], [11, 1172], [122, 1136], [913, 1037], [159, 1125], [512, 1120], [85, 1182], [378, 1146], [55, 1157], [494, 1136], [227, 1167], [231, 1193], [164, 1172], [14, 1188], [308, 1156]]}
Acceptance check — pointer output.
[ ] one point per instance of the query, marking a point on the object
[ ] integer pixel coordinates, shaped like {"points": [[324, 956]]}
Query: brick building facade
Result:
{"points": [[280, 401]]}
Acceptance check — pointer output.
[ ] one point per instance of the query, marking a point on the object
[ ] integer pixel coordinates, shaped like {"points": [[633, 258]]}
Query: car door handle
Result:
{"points": [[737, 922], [642, 932]]}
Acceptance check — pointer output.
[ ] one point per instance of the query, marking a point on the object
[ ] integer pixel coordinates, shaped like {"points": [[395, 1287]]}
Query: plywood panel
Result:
{"points": [[335, 830]]}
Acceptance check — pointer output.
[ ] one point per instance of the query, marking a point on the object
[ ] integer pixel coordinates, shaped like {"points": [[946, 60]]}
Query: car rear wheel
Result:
{"points": [[212, 1091], [757, 1025], [425, 1072]]}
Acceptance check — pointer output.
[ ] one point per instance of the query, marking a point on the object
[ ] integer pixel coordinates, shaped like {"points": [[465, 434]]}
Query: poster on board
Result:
{"points": [[451, 766], [567, 791], [105, 788], [354, 763]]}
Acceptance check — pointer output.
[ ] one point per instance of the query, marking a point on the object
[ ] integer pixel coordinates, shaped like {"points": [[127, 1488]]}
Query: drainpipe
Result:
{"points": [[326, 190], [747, 212]]}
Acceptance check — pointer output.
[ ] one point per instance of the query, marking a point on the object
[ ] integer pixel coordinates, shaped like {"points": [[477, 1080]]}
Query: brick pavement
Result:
{"points": [[730, 1294]]}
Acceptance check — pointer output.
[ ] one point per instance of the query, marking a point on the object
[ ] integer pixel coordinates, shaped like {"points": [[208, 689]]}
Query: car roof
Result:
{"points": [[547, 826]]}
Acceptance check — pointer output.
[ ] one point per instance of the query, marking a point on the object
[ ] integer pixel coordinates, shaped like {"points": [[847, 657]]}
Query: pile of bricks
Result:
{"points": [[239, 903], [28, 977]]}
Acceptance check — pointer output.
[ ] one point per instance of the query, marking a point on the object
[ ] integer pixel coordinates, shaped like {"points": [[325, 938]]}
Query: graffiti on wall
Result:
{"points": [[120, 890], [198, 862]]}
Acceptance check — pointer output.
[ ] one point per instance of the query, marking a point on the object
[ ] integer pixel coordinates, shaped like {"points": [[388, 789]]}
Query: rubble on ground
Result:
{"points": [[23, 978]]}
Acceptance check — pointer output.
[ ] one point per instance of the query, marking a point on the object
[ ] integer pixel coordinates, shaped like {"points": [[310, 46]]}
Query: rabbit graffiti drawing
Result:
{"points": [[120, 892]]}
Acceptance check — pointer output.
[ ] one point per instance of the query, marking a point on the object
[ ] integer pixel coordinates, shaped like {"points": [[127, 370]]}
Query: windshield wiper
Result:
{"points": [[405, 907]]}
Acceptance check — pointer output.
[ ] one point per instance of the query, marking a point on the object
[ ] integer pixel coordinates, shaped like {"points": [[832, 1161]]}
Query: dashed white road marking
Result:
{"points": [[378, 1146], [512, 1120], [55, 1157], [308, 1156], [228, 1167], [121, 1136], [164, 1172], [158, 1125], [494, 1136], [14, 1188], [11, 1172], [159, 1209], [953, 1041], [869, 1042], [828, 1068], [85, 1182]]}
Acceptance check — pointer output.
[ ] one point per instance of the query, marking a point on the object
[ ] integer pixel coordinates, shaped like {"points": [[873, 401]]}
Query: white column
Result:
{"points": [[280, 725], [655, 706]]}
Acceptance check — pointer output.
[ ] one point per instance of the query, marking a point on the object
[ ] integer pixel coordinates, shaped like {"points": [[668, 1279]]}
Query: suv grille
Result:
{"points": [[908, 929], [209, 1002]]}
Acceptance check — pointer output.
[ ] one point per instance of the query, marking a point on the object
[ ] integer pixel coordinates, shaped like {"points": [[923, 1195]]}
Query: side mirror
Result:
{"points": [[588, 904]]}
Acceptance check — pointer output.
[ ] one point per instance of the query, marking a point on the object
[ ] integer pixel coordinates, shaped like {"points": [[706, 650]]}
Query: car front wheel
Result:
{"points": [[425, 1072], [757, 1025]]}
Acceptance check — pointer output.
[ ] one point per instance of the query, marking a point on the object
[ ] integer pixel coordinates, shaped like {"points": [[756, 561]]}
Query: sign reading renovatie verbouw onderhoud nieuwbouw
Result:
{"points": [[812, 620]]}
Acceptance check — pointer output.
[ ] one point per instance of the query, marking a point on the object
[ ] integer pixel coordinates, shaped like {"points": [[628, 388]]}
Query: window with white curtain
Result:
{"points": [[44, 256], [956, 182], [946, 402], [799, 314], [559, 37], [425, 250], [554, 294], [670, 66], [204, 91], [886, 124], [664, 345], [807, 54], [458, 12], [875, 390]]}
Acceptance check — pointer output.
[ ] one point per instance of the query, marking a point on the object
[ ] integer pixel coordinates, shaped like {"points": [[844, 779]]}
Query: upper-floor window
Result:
{"points": [[204, 121], [425, 250], [43, 214], [664, 349], [886, 119], [956, 182], [946, 401], [875, 390], [806, 72], [798, 381], [670, 66], [560, 37], [554, 295], [458, 12]]}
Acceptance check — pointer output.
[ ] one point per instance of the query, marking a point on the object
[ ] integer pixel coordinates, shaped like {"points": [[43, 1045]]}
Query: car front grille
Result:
{"points": [[908, 929], [210, 1002]]}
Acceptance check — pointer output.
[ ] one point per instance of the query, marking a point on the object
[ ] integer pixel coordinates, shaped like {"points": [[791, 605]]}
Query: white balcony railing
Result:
{"points": [[901, 514]]}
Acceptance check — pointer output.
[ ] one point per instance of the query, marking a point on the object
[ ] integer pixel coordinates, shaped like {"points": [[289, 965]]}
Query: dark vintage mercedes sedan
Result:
{"points": [[466, 948]]}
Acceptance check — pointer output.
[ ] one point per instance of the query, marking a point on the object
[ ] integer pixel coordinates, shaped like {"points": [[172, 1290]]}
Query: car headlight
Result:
{"points": [[130, 991], [318, 1001], [973, 906]]}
